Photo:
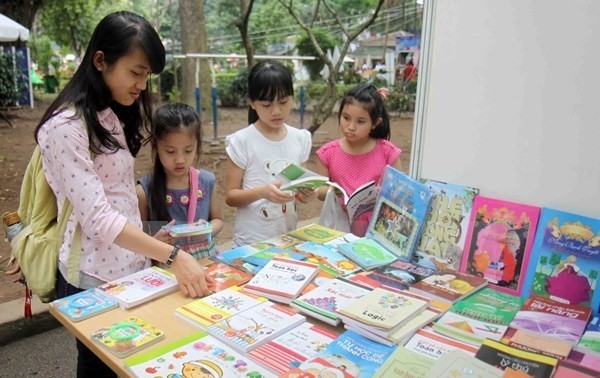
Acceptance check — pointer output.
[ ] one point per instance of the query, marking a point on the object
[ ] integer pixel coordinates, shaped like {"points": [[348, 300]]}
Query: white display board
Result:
{"points": [[509, 100]]}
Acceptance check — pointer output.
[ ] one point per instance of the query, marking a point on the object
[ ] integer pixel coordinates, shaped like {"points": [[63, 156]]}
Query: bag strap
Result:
{"points": [[193, 195]]}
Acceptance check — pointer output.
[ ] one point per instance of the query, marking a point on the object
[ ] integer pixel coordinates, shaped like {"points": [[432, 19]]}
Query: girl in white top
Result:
{"points": [[257, 153]]}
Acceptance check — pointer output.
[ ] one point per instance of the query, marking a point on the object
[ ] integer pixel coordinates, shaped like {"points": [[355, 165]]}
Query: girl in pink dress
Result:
{"points": [[364, 149]]}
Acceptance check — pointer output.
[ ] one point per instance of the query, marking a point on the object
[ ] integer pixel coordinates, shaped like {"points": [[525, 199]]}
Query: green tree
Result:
{"points": [[593, 275], [554, 261], [543, 262], [307, 48], [21, 11]]}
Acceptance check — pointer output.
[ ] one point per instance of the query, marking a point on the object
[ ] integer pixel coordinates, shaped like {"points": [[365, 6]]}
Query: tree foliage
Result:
{"points": [[305, 47], [21, 11]]}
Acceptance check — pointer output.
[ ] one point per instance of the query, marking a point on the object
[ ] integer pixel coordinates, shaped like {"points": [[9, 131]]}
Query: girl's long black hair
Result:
{"points": [[268, 80], [367, 96], [116, 35]]}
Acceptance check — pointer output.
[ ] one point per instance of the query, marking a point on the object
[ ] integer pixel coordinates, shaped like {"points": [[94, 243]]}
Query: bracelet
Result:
{"points": [[172, 256]]}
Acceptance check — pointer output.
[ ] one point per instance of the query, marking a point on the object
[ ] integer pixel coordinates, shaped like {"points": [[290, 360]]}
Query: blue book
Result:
{"points": [[84, 305], [261, 258], [235, 257], [329, 259], [367, 253], [565, 259]]}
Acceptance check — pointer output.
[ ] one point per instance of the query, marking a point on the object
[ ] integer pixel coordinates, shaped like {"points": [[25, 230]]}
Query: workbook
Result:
{"points": [[85, 304], [127, 336]]}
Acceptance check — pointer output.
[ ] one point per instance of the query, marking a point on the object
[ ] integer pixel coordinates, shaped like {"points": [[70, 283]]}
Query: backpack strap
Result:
{"points": [[193, 195]]}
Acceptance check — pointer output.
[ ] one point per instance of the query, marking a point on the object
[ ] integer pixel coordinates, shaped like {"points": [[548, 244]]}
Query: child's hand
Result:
{"points": [[305, 195], [272, 193]]}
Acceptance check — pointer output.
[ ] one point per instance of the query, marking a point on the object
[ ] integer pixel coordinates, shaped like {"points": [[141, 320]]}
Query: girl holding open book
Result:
{"points": [[364, 149]]}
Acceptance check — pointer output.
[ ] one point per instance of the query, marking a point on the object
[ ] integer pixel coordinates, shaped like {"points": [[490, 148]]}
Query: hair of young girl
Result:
{"points": [[116, 35], [367, 96], [168, 119], [267, 81]]}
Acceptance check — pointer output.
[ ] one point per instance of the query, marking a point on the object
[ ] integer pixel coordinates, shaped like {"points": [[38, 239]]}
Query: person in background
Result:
{"points": [[409, 72]]}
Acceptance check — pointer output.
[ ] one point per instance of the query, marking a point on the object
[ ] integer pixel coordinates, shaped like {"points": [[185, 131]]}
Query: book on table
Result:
{"points": [[449, 285], [141, 287], [328, 257], [584, 358], [85, 304], [568, 369], [261, 258], [404, 363], [226, 275], [316, 233], [502, 356], [590, 340], [235, 258], [400, 274], [127, 336], [433, 345], [367, 253], [456, 362], [536, 343]]}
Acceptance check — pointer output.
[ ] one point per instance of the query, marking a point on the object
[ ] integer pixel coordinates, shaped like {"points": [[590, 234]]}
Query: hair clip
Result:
{"points": [[383, 92]]}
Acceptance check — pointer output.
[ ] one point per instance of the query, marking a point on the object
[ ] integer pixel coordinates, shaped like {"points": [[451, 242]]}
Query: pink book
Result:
{"points": [[498, 243]]}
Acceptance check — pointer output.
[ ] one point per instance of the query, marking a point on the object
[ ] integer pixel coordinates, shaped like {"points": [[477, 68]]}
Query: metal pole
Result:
{"points": [[302, 106]]}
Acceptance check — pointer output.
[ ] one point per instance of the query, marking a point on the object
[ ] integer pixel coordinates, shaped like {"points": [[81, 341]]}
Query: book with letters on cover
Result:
{"points": [[141, 287], [226, 275], [502, 356], [198, 353], [499, 240], [329, 259], [255, 326], [127, 336], [367, 253], [536, 343], [282, 280], [404, 363], [292, 348], [217, 306], [433, 345], [449, 285], [85, 304], [316, 233], [458, 364], [261, 258], [400, 212], [565, 259]]}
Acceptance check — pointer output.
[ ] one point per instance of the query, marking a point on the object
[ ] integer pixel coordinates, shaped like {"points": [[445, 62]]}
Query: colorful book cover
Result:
{"points": [[85, 304], [585, 358], [502, 356], [552, 319], [484, 314], [567, 369], [400, 212], [255, 326], [141, 287], [404, 363], [449, 285], [443, 237], [324, 301], [127, 336], [235, 257], [226, 276], [316, 233], [401, 274], [348, 356], [217, 306], [591, 337], [188, 229], [196, 355], [565, 260], [536, 343], [499, 240], [458, 364], [261, 258], [328, 258], [433, 345], [292, 348], [283, 241], [367, 253]]}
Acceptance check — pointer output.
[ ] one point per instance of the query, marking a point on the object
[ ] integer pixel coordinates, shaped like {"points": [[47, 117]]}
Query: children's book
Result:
{"points": [[316, 233], [502, 356], [261, 258], [449, 285], [226, 276], [189, 229], [323, 302], [141, 287], [282, 280], [329, 259], [401, 274], [367, 253], [217, 306], [443, 237], [346, 238], [565, 260], [499, 240], [348, 356], [404, 363], [196, 355], [568, 369], [235, 257], [85, 304], [400, 212], [552, 319], [433, 345], [536, 343], [282, 241], [485, 314], [458, 364], [295, 177], [292, 348], [590, 340], [255, 326], [128, 336]]}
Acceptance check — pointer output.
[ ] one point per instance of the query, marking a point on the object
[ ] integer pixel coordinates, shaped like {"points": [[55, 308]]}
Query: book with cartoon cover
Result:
{"points": [[127, 336], [85, 304]]}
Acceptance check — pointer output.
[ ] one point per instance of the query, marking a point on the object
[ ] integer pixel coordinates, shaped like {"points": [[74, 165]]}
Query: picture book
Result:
{"points": [[292, 348], [367, 253], [502, 356], [350, 355], [217, 306], [400, 212], [433, 345], [565, 260], [255, 326], [323, 302], [128, 336], [590, 340], [567, 369], [261, 258], [141, 287], [226, 275], [235, 257], [401, 274], [499, 240], [281, 279], [449, 285], [404, 363], [189, 229], [458, 364], [85, 304], [295, 177], [196, 355], [443, 236], [346, 238], [316, 233], [553, 319], [536, 343], [485, 314], [329, 259]]}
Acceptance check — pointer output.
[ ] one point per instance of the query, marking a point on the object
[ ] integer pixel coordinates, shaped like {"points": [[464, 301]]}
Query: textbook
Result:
{"points": [[330, 260], [448, 285], [536, 343], [499, 241], [458, 364], [226, 276], [503, 356], [217, 306], [282, 280], [367, 253], [261, 258], [195, 355], [255, 326], [316, 233], [141, 287], [433, 345], [404, 363], [85, 304], [292, 348], [127, 336]]}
